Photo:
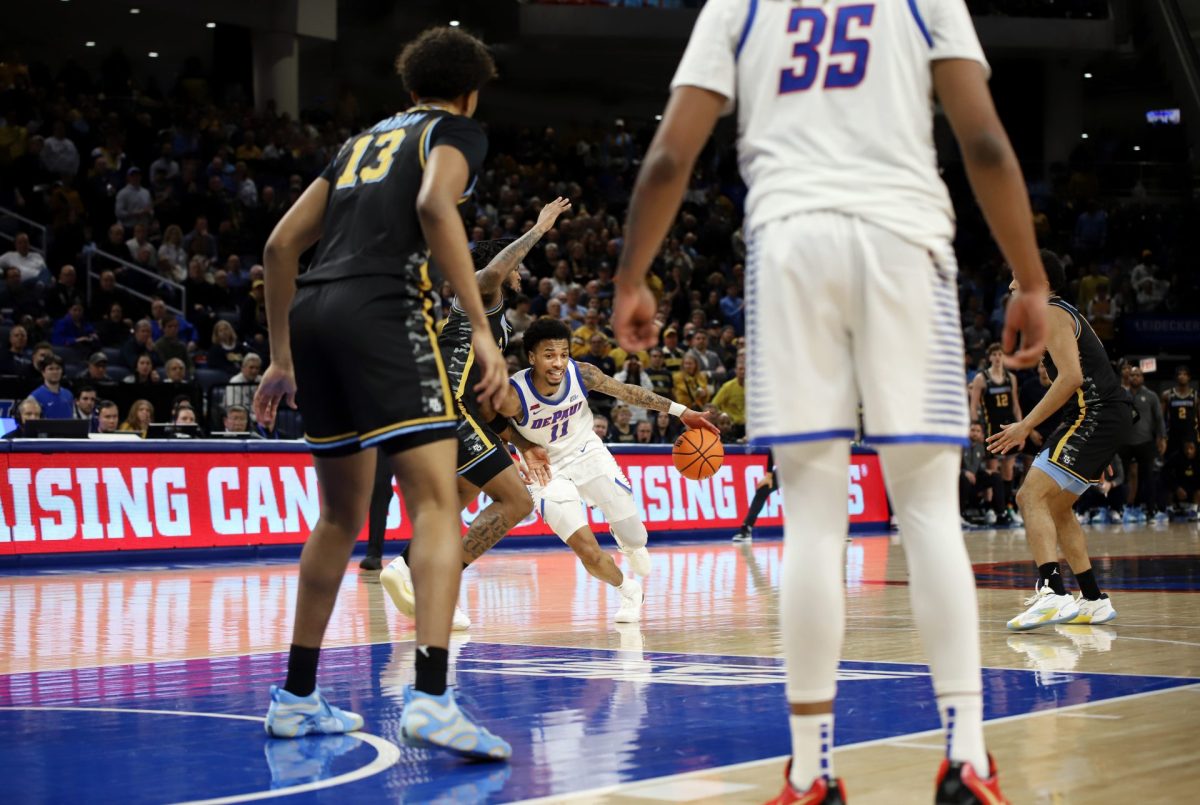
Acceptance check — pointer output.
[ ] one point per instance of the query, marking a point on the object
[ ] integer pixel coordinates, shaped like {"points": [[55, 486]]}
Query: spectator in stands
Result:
{"points": [[28, 410], [1102, 313], [59, 154], [169, 345], [241, 387], [1151, 290], [708, 360], [600, 425], [666, 428], [96, 373], [672, 352], [165, 164], [63, 292], [175, 371], [57, 402], [581, 338], [731, 398], [185, 414], [85, 406], [200, 241], [114, 329], [976, 338], [519, 316], [597, 355], [644, 433], [42, 352], [143, 371], [225, 354], [141, 414], [633, 374], [108, 294], [733, 308], [108, 417], [140, 343], [620, 427], [537, 306], [172, 249], [573, 310], [21, 299], [236, 419], [252, 319], [73, 330], [134, 203], [30, 263], [15, 360], [159, 313], [692, 388], [661, 380], [141, 250]]}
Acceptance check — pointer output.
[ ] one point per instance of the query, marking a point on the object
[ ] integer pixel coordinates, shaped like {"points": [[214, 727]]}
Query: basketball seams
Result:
{"points": [[698, 446]]}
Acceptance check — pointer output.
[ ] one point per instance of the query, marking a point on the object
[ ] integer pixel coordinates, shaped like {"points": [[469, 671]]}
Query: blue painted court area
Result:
{"points": [[578, 719]]}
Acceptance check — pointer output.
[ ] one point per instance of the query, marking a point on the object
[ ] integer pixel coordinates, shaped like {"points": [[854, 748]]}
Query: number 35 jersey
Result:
{"points": [[835, 104], [561, 423], [371, 226]]}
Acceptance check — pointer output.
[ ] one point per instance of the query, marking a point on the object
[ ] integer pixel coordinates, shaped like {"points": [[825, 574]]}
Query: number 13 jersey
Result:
{"points": [[835, 104], [561, 423]]}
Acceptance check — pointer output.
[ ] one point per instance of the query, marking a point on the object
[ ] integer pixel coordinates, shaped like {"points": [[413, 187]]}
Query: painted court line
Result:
{"points": [[387, 754], [750, 764]]}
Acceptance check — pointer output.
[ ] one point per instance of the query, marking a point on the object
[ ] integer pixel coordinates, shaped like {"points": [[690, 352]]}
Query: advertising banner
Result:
{"points": [[66, 501]]}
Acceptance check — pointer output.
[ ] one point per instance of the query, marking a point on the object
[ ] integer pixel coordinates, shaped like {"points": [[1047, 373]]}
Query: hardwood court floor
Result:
{"points": [[687, 708]]}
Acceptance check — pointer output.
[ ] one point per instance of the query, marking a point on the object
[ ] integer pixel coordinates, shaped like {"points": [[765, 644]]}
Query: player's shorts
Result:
{"points": [[368, 371], [482, 455], [1081, 448], [841, 310], [595, 480]]}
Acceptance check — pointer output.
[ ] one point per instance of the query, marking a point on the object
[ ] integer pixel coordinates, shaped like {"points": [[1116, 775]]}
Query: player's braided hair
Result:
{"points": [[445, 64], [545, 329], [484, 251]]}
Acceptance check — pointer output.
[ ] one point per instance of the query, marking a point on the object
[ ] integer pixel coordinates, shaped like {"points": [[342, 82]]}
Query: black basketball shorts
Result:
{"points": [[1084, 444], [482, 455], [368, 370]]}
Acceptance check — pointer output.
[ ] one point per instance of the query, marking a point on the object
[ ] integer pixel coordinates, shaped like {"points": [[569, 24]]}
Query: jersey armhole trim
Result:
{"points": [[425, 137], [750, 14], [520, 396], [916, 14]]}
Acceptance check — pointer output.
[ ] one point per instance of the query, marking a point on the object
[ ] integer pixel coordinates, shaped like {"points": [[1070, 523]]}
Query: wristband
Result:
{"points": [[676, 409]]}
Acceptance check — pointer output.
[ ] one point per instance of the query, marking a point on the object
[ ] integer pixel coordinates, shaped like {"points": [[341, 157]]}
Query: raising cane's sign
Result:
{"points": [[64, 501]]}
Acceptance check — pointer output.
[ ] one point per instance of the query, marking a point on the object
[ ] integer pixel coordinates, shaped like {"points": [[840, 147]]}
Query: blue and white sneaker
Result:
{"points": [[436, 722], [291, 716]]}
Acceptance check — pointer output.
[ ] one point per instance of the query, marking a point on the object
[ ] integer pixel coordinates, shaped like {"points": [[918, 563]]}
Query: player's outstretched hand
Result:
{"points": [[1010, 437], [492, 369], [695, 419], [537, 466], [633, 316], [278, 385], [1026, 315], [551, 211]]}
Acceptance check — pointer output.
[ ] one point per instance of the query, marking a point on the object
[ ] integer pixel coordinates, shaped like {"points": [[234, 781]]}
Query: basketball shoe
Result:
{"points": [[1093, 612], [631, 602], [822, 792], [744, 534], [959, 784], [396, 579], [291, 716], [1044, 608], [437, 722]]}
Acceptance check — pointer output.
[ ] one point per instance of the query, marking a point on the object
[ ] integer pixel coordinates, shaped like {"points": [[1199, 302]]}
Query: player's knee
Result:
{"points": [[631, 532], [1027, 496], [344, 521], [516, 508]]}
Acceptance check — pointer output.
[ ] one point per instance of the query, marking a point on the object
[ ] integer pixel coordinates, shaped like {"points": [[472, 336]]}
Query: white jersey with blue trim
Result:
{"points": [[835, 104], [562, 424]]}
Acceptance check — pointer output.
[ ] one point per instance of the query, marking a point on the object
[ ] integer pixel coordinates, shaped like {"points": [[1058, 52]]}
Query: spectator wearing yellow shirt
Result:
{"points": [[692, 388], [581, 338], [731, 399]]}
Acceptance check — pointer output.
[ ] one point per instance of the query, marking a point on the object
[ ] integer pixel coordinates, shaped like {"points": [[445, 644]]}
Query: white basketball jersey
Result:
{"points": [[563, 424], [835, 104]]}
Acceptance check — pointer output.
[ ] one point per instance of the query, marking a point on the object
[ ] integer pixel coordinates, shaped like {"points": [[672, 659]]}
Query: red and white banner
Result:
{"points": [[70, 502]]}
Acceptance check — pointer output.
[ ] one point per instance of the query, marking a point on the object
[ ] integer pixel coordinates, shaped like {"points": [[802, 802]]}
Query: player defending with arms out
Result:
{"points": [[994, 396], [1096, 419], [483, 459], [353, 339], [850, 264], [548, 406]]}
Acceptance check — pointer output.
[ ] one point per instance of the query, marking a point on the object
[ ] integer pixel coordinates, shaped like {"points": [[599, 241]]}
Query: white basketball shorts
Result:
{"points": [[842, 311], [594, 480]]}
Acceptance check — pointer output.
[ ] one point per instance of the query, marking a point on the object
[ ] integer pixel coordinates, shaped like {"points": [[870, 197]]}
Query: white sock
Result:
{"points": [[812, 749], [962, 716], [629, 587]]}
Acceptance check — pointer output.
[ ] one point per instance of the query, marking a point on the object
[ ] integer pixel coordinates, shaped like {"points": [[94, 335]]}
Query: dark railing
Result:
{"points": [[98, 261], [12, 222]]}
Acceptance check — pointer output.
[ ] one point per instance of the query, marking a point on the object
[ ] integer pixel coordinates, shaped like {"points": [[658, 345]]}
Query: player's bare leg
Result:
{"points": [[510, 505], [600, 564], [1042, 502]]}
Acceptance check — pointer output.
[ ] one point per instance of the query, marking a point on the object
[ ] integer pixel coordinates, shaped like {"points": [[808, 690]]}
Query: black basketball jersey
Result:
{"points": [[457, 351], [1182, 414], [999, 407], [1100, 382], [371, 226]]}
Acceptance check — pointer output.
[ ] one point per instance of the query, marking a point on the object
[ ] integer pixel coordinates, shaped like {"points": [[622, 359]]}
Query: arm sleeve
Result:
{"points": [[953, 32], [464, 134], [710, 60]]}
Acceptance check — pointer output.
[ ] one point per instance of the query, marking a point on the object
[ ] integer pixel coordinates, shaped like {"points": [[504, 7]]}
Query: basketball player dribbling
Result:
{"points": [[851, 279]]}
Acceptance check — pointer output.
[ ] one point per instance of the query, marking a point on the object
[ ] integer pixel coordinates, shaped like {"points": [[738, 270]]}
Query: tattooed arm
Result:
{"points": [[492, 276], [595, 380]]}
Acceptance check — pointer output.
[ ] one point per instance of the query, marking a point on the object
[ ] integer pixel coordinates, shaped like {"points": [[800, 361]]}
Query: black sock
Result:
{"points": [[1088, 585], [431, 669], [302, 670], [1048, 574]]}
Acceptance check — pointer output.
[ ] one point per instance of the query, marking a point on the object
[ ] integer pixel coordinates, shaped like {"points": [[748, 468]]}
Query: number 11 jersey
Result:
{"points": [[562, 423]]}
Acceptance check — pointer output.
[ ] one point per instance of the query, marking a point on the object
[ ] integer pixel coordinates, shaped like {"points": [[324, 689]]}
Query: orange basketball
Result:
{"points": [[698, 454]]}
